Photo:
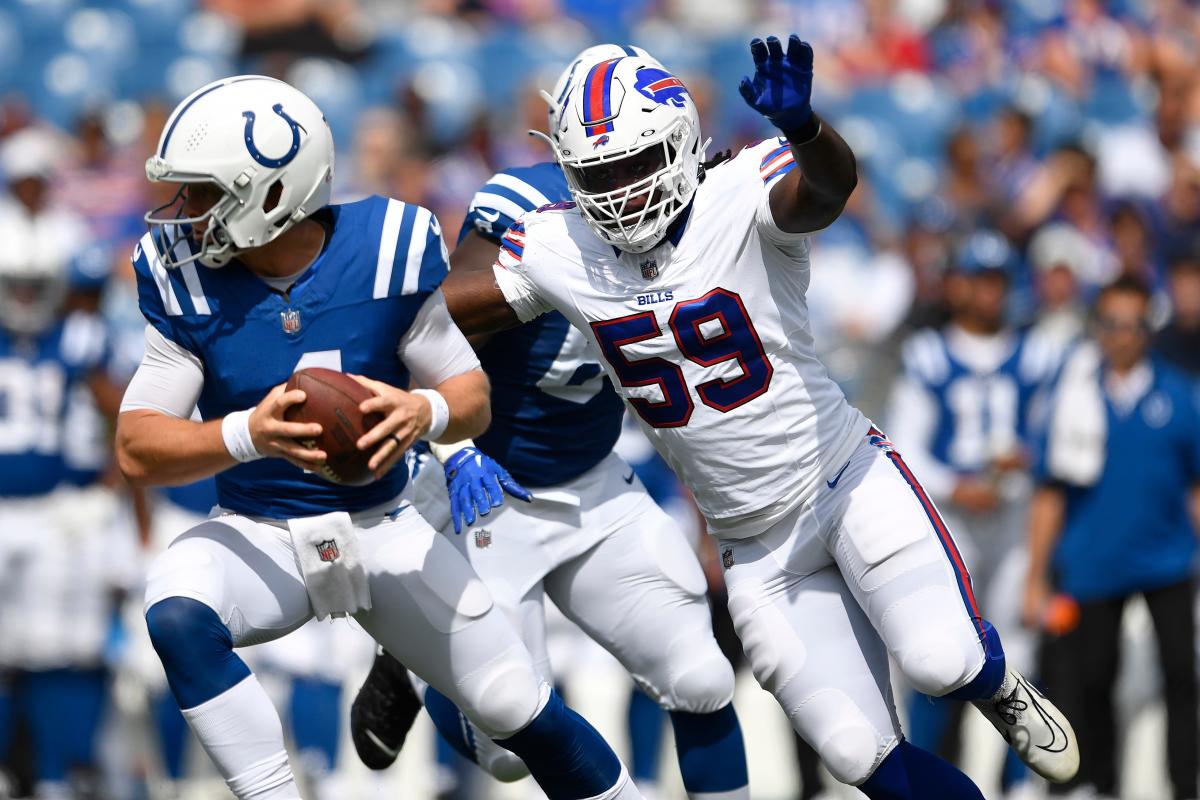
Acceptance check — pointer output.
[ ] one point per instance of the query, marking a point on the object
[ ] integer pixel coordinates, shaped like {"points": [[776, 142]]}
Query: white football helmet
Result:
{"points": [[579, 67], [33, 274], [246, 135], [628, 140]]}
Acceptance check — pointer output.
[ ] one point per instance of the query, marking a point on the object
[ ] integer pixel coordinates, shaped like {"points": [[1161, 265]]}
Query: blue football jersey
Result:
{"points": [[554, 412], [39, 376], [348, 311], [981, 414]]}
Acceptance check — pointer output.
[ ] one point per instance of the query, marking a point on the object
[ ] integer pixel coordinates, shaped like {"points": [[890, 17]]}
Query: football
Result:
{"points": [[331, 400]]}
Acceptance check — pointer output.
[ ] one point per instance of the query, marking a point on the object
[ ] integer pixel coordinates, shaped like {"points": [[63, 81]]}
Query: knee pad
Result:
{"points": [[851, 753], [703, 686], [938, 663], [506, 698], [196, 650]]}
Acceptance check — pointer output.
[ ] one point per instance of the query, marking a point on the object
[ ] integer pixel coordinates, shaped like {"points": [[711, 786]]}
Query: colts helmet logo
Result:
{"points": [[660, 86], [328, 550], [257, 155]]}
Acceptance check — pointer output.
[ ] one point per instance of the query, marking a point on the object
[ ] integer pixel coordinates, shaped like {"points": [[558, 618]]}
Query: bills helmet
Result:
{"points": [[628, 140]]}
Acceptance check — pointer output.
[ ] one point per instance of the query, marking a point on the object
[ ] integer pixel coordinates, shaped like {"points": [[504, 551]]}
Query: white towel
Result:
{"points": [[331, 562], [1078, 433]]}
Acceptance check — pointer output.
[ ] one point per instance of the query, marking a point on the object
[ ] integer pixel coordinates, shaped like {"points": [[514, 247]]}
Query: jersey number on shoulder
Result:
{"points": [[574, 376], [708, 330], [31, 401]]}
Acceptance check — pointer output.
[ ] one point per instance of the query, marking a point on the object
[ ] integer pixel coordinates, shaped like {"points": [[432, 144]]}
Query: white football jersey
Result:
{"points": [[706, 337]]}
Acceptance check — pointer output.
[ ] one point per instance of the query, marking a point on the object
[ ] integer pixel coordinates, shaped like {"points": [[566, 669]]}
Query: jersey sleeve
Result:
{"points": [[157, 298], [508, 195], [513, 278], [771, 160], [169, 379], [412, 256]]}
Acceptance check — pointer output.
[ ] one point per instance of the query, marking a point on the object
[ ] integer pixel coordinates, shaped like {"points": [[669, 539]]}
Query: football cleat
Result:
{"points": [[383, 711], [1038, 732]]}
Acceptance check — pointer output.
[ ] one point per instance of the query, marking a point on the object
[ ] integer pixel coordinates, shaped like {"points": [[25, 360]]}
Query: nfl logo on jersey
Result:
{"points": [[290, 320], [649, 269], [328, 550]]}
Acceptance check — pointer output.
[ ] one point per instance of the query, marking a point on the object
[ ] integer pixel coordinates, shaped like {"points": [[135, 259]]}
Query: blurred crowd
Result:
{"points": [[1017, 157]]}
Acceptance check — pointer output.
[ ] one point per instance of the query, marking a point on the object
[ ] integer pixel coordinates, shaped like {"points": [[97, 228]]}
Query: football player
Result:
{"points": [[248, 275], [56, 550], [591, 540], [693, 292], [963, 410]]}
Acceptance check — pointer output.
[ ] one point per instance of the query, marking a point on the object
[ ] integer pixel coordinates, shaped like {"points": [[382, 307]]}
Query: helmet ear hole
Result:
{"points": [[272, 198]]}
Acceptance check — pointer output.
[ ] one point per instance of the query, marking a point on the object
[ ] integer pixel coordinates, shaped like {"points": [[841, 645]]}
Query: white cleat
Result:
{"points": [[1033, 727]]}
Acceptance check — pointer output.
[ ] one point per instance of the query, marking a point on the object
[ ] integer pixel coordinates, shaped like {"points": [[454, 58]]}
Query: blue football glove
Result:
{"points": [[781, 89], [474, 482]]}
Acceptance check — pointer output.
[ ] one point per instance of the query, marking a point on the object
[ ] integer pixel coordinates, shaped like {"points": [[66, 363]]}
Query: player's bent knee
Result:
{"points": [[703, 687], [504, 766], [507, 698], [851, 754], [937, 665], [180, 625]]}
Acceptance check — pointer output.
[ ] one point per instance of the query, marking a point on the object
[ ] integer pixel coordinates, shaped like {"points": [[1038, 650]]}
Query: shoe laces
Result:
{"points": [[1010, 707]]}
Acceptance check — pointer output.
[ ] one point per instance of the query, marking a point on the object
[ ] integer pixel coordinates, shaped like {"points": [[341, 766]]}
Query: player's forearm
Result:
{"points": [[1045, 522], [468, 397], [476, 303], [154, 449], [828, 169]]}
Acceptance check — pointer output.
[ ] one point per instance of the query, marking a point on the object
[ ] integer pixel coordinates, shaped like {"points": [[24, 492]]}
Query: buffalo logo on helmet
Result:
{"points": [[600, 141], [660, 86], [328, 551]]}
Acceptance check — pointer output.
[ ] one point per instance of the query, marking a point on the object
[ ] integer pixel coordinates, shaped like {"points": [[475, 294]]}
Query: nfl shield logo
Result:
{"points": [[727, 557], [328, 550], [483, 538], [290, 320], [649, 269]]}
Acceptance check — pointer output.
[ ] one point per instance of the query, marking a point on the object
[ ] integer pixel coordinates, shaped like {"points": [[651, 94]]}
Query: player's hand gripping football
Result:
{"points": [[275, 437], [476, 483], [405, 417], [781, 89]]}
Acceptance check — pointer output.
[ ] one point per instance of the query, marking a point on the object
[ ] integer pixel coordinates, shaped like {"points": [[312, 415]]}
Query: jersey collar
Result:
{"points": [[674, 232]]}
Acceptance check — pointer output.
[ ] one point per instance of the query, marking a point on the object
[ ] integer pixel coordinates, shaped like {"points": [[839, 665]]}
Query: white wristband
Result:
{"points": [[440, 413], [442, 452], [235, 430]]}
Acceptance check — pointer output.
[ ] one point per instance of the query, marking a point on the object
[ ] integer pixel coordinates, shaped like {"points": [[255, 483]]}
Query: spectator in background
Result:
{"points": [[1179, 342], [103, 184], [1114, 516], [1056, 254], [965, 186], [1133, 245], [1012, 164]]}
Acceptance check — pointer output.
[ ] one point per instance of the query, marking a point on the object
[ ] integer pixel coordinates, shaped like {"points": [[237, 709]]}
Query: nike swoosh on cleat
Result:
{"points": [[375, 740], [628, 478], [1056, 731], [833, 483]]}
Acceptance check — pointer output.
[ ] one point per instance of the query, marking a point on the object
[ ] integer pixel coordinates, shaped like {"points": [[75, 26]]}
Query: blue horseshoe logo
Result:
{"points": [[257, 154]]}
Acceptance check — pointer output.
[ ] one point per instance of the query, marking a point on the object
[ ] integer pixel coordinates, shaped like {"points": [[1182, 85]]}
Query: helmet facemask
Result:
{"points": [[171, 230], [29, 303], [630, 197]]}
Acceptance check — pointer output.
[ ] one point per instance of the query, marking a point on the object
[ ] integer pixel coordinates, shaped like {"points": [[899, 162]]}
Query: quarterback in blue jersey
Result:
{"points": [[248, 275], [56, 584], [591, 540]]}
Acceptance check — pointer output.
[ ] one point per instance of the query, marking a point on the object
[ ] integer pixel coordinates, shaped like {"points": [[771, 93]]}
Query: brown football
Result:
{"points": [[331, 400]]}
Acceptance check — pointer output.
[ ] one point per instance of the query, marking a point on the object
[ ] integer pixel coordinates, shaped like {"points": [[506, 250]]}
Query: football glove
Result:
{"points": [[781, 89], [476, 483]]}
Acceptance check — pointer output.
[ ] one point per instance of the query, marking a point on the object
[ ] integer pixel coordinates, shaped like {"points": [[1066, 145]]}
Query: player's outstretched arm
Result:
{"points": [[811, 197], [158, 449], [475, 301]]}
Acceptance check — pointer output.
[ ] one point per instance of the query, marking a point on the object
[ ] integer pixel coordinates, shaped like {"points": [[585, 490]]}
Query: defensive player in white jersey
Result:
{"points": [[591, 540], [286, 281], [692, 285]]}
